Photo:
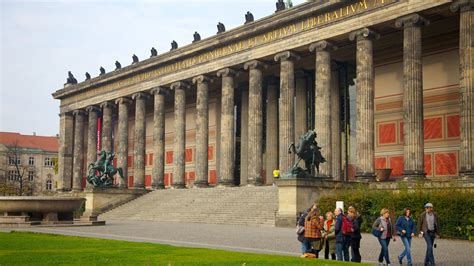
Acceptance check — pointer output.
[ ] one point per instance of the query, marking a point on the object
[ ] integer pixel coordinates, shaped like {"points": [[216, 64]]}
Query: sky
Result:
{"points": [[42, 40]]}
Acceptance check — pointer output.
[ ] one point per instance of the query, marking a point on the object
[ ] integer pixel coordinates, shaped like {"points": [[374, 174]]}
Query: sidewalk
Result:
{"points": [[252, 239]]}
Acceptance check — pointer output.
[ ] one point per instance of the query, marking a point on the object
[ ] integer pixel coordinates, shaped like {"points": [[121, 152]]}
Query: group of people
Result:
{"points": [[341, 232]]}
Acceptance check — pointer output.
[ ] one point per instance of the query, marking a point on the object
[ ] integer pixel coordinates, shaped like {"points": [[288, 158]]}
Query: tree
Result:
{"points": [[15, 182]]}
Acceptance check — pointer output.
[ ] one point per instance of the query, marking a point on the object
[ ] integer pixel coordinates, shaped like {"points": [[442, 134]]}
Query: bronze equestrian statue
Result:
{"points": [[308, 151], [101, 173]]}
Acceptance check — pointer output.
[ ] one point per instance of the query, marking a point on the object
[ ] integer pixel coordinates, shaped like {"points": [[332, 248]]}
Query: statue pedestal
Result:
{"points": [[295, 195], [100, 200]]}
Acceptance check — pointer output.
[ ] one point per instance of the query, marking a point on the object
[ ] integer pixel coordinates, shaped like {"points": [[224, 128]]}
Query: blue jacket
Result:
{"points": [[407, 225], [340, 238]]}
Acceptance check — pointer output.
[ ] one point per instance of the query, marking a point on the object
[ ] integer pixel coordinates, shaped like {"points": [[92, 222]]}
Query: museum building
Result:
{"points": [[385, 84]]}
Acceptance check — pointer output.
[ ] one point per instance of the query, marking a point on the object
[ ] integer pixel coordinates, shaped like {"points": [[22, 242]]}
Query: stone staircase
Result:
{"points": [[219, 205]]}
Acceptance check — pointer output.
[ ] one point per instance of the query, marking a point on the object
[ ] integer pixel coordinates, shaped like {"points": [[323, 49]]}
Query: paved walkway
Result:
{"points": [[252, 239]]}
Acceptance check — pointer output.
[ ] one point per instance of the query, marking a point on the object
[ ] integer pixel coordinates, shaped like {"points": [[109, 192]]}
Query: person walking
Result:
{"points": [[406, 230], [428, 226], [386, 228], [356, 236], [312, 229], [342, 240], [329, 236]]}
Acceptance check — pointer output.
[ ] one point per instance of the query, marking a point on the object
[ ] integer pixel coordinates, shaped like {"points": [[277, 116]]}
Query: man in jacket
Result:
{"points": [[342, 241], [428, 226]]}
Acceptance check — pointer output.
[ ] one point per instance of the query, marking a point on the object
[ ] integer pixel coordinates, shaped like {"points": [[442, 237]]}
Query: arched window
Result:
{"points": [[49, 185]]}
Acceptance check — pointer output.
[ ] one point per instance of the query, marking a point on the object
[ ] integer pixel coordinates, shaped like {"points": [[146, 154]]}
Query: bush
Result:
{"points": [[453, 206]]}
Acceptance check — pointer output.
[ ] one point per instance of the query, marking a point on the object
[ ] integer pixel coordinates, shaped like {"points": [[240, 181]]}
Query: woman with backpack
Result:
{"points": [[406, 230], [384, 229], [312, 229]]}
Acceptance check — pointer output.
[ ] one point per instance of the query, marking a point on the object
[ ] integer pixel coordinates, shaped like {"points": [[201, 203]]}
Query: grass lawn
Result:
{"points": [[22, 248]]}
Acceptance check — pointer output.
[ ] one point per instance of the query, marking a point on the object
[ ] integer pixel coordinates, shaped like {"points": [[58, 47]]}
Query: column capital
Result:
{"points": [[286, 55], [107, 104], [411, 20], [201, 79], [140, 95], [179, 85], [255, 64], [364, 33], [322, 46], [92, 108], [123, 100], [160, 90], [227, 72], [79, 112], [462, 5]]}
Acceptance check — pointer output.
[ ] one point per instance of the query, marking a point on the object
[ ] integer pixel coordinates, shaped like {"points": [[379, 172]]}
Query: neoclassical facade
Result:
{"points": [[384, 83]]}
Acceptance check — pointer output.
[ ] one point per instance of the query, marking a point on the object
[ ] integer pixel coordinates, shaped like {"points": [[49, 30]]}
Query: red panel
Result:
{"points": [[396, 163], [446, 164], [168, 179], [192, 175], [169, 157], [189, 155], [428, 166], [147, 180], [130, 181], [454, 128], [387, 133], [115, 162], [380, 162], [210, 153], [130, 161], [433, 128], [401, 132], [213, 177], [150, 159]]}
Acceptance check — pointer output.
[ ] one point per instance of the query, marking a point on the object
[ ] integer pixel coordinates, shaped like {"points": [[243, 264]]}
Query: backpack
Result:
{"points": [[347, 228]]}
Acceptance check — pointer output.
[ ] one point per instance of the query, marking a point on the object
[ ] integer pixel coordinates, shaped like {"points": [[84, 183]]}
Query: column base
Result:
{"points": [[122, 186], [201, 184], [466, 175], [179, 186], [413, 175], [254, 182], [365, 177], [226, 183]]}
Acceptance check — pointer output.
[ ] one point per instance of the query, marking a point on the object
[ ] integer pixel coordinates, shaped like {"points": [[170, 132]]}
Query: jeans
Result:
{"points": [[384, 250], [429, 257], [406, 252], [355, 253], [305, 246], [342, 249]]}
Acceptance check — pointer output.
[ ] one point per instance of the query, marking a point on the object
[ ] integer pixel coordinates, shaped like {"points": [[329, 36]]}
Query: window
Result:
{"points": [[31, 176], [49, 185], [48, 162], [31, 161], [13, 175], [13, 160]]}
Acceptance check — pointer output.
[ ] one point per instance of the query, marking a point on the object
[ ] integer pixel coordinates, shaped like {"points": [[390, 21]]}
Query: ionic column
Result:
{"points": [[335, 126], [140, 140], [158, 170], [466, 85], [255, 125], [413, 144], [65, 159], [365, 104], [202, 130], [286, 109], [323, 103], [122, 134], [93, 112], [78, 164], [271, 144], [301, 83], [107, 142], [244, 134], [179, 134], [227, 144]]}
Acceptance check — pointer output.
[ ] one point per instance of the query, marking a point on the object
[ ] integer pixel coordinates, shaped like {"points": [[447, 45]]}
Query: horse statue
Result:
{"points": [[308, 151], [101, 173]]}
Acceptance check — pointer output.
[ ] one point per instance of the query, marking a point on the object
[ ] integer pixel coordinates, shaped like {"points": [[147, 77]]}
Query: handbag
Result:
{"points": [[299, 230], [376, 233]]}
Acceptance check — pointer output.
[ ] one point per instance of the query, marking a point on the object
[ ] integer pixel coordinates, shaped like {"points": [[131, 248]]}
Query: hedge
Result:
{"points": [[454, 207]]}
